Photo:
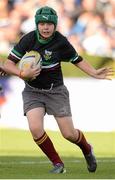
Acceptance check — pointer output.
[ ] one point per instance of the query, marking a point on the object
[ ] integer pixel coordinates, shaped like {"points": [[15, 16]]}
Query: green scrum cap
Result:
{"points": [[46, 14]]}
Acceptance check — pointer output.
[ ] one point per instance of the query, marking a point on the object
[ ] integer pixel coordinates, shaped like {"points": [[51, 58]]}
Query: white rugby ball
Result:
{"points": [[30, 58]]}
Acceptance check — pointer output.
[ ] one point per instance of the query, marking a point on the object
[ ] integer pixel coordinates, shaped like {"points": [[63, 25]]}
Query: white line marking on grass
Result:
{"points": [[47, 162]]}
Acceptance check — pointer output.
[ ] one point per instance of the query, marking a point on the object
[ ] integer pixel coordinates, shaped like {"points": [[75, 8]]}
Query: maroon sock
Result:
{"points": [[47, 147], [82, 143]]}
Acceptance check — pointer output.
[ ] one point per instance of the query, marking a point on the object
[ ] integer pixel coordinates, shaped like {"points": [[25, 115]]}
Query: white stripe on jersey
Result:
{"points": [[14, 55], [49, 66], [72, 60]]}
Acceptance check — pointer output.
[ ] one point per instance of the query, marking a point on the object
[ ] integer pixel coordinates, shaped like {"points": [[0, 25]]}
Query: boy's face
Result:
{"points": [[46, 29]]}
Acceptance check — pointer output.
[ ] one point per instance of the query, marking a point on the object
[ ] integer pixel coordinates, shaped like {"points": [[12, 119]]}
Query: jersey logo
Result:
{"points": [[47, 55], [45, 17]]}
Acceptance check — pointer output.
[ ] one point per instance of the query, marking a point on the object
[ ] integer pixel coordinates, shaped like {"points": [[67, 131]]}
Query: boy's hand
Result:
{"points": [[30, 72], [104, 73], [2, 72]]}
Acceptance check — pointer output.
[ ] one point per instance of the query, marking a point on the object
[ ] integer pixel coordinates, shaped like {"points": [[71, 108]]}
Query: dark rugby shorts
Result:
{"points": [[55, 101]]}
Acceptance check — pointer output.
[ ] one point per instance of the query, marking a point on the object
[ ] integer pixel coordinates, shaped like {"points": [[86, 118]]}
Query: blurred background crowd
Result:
{"points": [[88, 24]]}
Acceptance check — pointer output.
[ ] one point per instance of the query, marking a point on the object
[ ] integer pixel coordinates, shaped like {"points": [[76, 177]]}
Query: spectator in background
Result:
{"points": [[89, 5], [96, 39], [109, 16], [9, 28], [16, 18], [4, 88]]}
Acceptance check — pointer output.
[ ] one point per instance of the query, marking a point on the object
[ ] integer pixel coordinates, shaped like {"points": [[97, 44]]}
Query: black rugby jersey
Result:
{"points": [[57, 50]]}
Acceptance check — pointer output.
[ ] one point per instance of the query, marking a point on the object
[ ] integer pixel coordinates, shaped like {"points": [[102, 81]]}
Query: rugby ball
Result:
{"points": [[32, 58]]}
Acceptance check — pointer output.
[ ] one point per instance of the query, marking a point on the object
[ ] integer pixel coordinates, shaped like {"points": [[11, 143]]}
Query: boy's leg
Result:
{"points": [[87, 151], [77, 137], [35, 119], [46, 145]]}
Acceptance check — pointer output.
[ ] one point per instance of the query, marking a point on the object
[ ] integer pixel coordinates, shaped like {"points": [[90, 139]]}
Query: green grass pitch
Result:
{"points": [[20, 158]]}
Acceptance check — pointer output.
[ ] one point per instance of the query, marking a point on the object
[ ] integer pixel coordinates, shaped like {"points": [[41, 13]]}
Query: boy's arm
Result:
{"points": [[29, 73], [10, 68], [101, 73]]}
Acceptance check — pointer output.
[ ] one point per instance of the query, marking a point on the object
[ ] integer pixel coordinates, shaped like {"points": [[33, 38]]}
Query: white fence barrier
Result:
{"points": [[92, 103]]}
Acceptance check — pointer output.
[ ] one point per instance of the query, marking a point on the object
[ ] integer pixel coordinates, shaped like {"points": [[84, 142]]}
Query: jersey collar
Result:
{"points": [[43, 41]]}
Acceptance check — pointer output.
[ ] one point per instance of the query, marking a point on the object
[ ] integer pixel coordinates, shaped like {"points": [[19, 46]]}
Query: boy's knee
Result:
{"points": [[36, 133], [70, 137]]}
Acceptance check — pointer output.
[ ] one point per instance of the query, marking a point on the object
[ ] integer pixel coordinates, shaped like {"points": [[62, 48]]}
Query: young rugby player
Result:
{"points": [[45, 91]]}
